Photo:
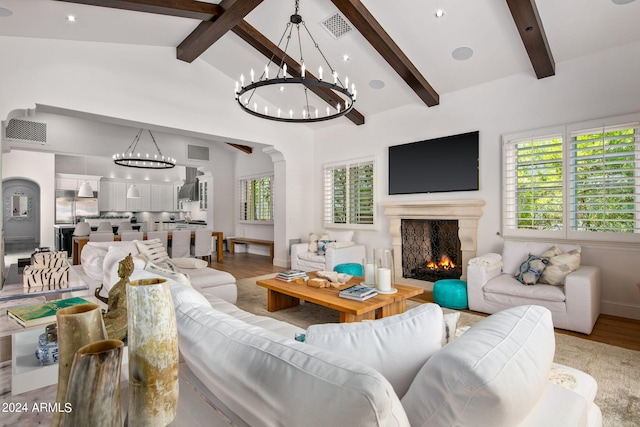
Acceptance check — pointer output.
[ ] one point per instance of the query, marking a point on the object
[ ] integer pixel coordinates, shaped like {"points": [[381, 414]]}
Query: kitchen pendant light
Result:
{"points": [[85, 189], [133, 192]]}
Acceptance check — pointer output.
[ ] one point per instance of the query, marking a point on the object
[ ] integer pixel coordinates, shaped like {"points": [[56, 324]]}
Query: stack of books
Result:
{"points": [[291, 275], [358, 293]]}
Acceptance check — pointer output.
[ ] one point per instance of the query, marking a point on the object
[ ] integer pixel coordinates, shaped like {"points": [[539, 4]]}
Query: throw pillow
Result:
{"points": [[560, 265], [189, 263], [396, 346], [160, 270], [153, 250], [313, 242], [322, 246], [531, 270], [449, 327]]}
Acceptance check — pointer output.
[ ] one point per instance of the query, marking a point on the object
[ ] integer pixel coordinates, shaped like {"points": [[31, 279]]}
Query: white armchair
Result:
{"points": [[492, 287], [304, 256]]}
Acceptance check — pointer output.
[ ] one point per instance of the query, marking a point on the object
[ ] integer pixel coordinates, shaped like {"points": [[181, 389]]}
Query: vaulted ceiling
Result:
{"points": [[399, 52]]}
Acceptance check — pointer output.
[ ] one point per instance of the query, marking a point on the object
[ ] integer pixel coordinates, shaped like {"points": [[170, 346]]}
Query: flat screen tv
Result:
{"points": [[435, 165]]}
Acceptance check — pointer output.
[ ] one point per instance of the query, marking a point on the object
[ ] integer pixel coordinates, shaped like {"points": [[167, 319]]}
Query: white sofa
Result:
{"points": [[491, 287], [341, 250], [497, 373]]}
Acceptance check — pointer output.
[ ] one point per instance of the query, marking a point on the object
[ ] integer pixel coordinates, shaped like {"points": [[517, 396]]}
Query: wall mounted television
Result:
{"points": [[436, 165]]}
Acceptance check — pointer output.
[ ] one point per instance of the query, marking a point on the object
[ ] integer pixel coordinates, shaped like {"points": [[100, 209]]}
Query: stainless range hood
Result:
{"points": [[189, 191]]}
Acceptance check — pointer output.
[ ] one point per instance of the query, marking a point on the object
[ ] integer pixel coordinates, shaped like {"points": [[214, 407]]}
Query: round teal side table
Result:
{"points": [[451, 293]]}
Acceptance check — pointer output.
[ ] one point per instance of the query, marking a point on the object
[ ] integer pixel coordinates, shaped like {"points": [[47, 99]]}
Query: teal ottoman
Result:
{"points": [[353, 269], [451, 293]]}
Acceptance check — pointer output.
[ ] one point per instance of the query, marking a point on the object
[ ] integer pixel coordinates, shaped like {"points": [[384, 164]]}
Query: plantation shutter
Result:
{"points": [[605, 176], [533, 185], [349, 193], [256, 199]]}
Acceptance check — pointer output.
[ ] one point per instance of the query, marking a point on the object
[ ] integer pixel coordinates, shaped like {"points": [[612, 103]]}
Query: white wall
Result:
{"points": [[582, 89], [40, 168]]}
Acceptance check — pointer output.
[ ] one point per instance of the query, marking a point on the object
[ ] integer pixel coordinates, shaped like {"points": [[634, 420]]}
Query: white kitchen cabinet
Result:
{"points": [[73, 182], [113, 196], [142, 203], [163, 197]]}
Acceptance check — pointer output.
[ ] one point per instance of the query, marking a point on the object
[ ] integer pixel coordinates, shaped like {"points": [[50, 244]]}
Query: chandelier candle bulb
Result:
{"points": [[335, 77], [252, 75], [303, 70], [319, 73], [284, 71], [242, 80], [266, 72]]}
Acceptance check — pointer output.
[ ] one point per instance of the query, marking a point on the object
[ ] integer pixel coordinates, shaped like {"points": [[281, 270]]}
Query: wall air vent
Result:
{"points": [[337, 25], [196, 152], [27, 131]]}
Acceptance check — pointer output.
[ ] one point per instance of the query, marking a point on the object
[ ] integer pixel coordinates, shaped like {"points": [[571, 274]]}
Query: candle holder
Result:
{"points": [[370, 271], [386, 271]]}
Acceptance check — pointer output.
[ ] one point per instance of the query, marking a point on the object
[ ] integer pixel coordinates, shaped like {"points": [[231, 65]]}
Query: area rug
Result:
{"points": [[616, 369]]}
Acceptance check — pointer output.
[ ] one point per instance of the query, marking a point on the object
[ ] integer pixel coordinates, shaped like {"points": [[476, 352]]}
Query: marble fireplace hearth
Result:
{"points": [[466, 212]]}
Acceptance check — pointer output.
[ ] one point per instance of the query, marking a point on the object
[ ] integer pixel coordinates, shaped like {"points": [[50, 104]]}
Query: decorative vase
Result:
{"points": [[386, 271], [153, 354], [93, 392], [47, 350], [78, 326]]}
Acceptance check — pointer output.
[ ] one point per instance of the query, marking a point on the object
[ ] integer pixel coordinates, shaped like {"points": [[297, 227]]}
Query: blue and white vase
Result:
{"points": [[47, 350]]}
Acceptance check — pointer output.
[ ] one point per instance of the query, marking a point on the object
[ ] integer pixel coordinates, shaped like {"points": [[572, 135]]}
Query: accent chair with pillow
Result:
{"points": [[545, 274], [325, 251]]}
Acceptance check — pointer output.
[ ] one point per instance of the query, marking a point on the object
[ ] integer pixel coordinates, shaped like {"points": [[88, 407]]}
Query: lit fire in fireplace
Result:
{"points": [[445, 263]]}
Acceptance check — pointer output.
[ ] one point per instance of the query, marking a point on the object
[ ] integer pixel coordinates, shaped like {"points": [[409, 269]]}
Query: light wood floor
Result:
{"points": [[618, 331]]}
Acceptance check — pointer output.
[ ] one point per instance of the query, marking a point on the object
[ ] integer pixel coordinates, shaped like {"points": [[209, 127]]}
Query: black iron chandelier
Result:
{"points": [[133, 158], [286, 79]]}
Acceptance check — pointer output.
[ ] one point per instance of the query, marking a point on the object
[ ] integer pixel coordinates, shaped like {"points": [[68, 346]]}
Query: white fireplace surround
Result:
{"points": [[466, 212]]}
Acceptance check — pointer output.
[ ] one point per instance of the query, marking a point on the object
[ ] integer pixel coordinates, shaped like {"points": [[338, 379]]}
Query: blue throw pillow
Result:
{"points": [[531, 270], [322, 246]]}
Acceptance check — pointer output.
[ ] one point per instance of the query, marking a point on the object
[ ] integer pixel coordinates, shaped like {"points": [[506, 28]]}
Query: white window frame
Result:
{"points": [[329, 199], [566, 133], [243, 201]]}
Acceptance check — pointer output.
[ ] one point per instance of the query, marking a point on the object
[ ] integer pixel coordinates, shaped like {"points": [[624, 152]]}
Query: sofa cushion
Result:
{"points": [[493, 375], [531, 269], [267, 379], [92, 257], [167, 273], [396, 346], [507, 285], [560, 265], [311, 257], [322, 246], [189, 263]]}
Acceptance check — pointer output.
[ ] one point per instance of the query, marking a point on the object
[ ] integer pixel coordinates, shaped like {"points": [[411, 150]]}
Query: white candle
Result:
{"points": [[384, 279], [369, 274]]}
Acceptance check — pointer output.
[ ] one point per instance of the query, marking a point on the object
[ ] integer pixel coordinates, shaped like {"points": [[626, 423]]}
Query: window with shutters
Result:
{"points": [[349, 194], [256, 199], [578, 181]]}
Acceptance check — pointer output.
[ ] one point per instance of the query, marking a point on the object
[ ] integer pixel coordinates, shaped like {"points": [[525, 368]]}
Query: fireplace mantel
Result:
{"points": [[466, 212]]}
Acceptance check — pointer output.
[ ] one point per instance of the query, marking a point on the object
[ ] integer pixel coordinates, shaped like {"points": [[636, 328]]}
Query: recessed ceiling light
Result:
{"points": [[71, 18], [622, 1], [376, 84], [439, 13], [5, 12], [462, 53]]}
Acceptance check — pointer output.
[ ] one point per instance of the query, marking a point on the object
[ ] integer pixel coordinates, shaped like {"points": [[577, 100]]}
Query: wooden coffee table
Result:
{"points": [[288, 294]]}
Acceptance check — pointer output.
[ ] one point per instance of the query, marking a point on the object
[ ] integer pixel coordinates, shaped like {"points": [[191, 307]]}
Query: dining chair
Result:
{"points": [[127, 236], [124, 226], [162, 235], [82, 229], [180, 244], [101, 236], [105, 227], [201, 246]]}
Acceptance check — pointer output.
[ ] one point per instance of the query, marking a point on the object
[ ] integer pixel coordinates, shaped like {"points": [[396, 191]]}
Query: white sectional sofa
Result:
{"points": [[574, 303]]}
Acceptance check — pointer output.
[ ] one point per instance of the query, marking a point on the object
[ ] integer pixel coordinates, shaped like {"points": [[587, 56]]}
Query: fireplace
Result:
{"points": [[430, 249], [462, 214]]}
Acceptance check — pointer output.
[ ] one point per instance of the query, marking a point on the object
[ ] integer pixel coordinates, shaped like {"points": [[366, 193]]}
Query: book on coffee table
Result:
{"points": [[358, 292], [291, 275], [39, 314]]}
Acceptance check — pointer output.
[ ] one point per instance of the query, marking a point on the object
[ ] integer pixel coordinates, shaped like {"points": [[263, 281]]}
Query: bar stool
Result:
{"points": [[82, 229], [124, 226], [201, 246], [180, 244], [105, 227]]}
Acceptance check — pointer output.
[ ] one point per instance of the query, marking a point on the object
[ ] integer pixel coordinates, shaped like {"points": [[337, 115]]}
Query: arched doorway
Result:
{"points": [[20, 215]]}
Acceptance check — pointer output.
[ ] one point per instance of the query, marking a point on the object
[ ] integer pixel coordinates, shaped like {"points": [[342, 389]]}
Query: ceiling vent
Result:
{"points": [[27, 131], [196, 152], [337, 25]]}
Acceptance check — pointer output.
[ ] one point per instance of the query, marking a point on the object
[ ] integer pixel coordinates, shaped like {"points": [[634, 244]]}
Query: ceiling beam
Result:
{"points": [[208, 32], [371, 30], [266, 47], [243, 148], [525, 15], [181, 8]]}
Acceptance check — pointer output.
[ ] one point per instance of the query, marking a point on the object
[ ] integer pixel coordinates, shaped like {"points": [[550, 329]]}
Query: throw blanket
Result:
{"points": [[488, 261]]}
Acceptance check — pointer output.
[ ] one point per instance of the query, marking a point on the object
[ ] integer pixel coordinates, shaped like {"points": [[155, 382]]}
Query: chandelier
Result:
{"points": [[295, 78], [133, 158]]}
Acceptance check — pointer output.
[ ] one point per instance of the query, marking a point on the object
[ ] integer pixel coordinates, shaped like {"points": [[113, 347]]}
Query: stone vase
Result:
{"points": [[78, 326], [93, 392], [153, 354]]}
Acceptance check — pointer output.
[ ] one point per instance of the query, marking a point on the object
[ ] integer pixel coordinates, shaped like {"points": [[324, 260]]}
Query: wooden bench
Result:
{"points": [[248, 241]]}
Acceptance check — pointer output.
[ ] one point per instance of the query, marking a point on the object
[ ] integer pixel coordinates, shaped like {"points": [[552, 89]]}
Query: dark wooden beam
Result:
{"points": [[525, 15], [266, 47], [181, 8], [371, 30], [208, 32], [243, 148]]}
